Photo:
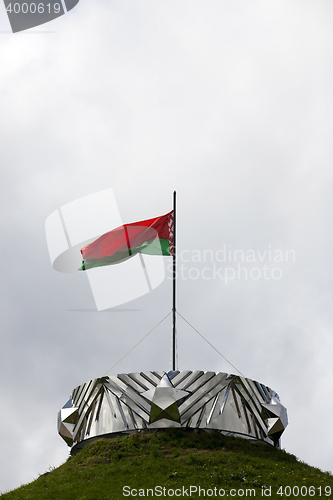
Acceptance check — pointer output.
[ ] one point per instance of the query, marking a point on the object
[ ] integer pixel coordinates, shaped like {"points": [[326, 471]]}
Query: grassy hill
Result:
{"points": [[173, 464]]}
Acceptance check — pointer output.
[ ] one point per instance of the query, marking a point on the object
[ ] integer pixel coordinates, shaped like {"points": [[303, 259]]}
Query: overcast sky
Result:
{"points": [[229, 103]]}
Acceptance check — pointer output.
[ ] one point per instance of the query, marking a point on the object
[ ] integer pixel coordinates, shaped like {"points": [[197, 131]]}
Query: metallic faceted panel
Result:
{"points": [[170, 413], [230, 404]]}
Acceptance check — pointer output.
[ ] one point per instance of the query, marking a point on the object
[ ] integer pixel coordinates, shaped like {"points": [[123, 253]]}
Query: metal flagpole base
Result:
{"points": [[186, 399]]}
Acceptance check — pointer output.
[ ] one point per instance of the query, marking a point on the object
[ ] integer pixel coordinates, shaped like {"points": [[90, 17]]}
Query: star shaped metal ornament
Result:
{"points": [[278, 419], [67, 418], [164, 399]]}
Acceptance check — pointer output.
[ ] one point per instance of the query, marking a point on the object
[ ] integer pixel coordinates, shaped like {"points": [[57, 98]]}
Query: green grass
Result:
{"points": [[174, 459]]}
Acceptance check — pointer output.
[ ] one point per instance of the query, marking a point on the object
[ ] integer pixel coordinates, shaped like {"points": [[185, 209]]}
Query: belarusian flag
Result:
{"points": [[152, 237]]}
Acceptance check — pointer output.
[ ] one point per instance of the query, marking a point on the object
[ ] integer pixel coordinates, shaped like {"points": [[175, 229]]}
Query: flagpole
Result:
{"points": [[174, 286]]}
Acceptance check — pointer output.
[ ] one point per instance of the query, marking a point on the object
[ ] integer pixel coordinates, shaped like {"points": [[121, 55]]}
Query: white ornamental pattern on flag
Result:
{"points": [[171, 232]]}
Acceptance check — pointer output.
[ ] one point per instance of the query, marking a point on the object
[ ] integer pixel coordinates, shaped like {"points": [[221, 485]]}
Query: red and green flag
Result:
{"points": [[151, 237]]}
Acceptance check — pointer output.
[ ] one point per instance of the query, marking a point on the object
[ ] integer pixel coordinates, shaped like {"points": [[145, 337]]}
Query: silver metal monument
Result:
{"points": [[134, 402]]}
